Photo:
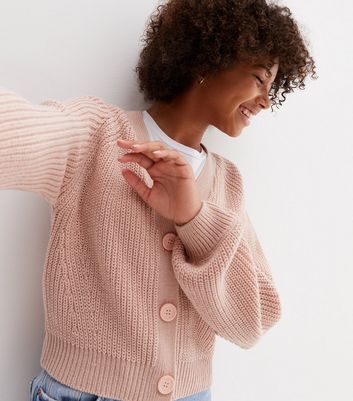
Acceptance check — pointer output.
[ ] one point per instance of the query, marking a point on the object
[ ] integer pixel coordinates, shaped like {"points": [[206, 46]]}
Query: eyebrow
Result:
{"points": [[264, 67]]}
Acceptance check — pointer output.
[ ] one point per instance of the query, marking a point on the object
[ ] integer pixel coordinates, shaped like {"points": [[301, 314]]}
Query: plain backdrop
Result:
{"points": [[297, 166]]}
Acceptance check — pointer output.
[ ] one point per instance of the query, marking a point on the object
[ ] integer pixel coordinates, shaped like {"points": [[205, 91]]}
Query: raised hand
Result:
{"points": [[174, 193]]}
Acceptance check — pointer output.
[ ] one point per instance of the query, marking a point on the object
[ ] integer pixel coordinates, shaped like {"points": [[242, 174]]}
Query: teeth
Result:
{"points": [[245, 111]]}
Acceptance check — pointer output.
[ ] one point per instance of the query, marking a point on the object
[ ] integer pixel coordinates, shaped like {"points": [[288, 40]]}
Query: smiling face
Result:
{"points": [[232, 96]]}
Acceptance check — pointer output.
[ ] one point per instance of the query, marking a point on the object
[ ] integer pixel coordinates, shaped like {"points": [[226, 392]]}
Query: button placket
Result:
{"points": [[166, 384], [168, 312], [168, 241]]}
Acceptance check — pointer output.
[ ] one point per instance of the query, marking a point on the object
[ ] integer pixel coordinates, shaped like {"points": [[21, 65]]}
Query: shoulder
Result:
{"points": [[228, 170], [230, 181], [105, 121], [85, 105]]}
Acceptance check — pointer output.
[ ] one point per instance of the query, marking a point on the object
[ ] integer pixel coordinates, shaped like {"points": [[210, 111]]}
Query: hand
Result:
{"points": [[174, 193]]}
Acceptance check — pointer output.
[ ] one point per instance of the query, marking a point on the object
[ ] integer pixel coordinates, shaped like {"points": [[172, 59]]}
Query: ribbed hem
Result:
{"points": [[106, 376], [201, 234]]}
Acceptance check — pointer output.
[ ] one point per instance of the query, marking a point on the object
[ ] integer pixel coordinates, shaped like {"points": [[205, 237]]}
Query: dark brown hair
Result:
{"points": [[188, 38]]}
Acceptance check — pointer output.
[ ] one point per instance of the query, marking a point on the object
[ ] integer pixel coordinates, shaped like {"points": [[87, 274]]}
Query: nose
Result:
{"points": [[264, 100]]}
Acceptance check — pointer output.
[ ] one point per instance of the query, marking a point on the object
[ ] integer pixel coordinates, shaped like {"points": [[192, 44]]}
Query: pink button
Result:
{"points": [[166, 384], [168, 241], [168, 312]]}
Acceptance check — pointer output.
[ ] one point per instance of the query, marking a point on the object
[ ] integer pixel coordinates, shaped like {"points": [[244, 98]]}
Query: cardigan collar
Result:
{"points": [[205, 179]]}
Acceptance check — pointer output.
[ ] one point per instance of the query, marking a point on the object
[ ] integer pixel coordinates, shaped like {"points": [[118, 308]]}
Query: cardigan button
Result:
{"points": [[168, 241], [168, 312], [166, 384]]}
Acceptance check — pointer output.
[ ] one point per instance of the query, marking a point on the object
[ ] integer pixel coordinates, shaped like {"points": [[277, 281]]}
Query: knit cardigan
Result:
{"points": [[132, 301]]}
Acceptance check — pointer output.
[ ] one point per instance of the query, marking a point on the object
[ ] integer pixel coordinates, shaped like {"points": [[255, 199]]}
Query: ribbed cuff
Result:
{"points": [[201, 234]]}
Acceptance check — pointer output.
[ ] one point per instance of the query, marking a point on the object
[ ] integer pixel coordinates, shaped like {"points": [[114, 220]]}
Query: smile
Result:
{"points": [[246, 114]]}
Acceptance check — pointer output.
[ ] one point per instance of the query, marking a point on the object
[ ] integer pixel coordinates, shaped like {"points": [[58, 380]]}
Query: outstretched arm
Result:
{"points": [[42, 145]]}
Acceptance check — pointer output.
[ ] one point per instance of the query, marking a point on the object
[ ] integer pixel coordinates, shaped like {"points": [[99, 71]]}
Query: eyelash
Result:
{"points": [[259, 79]]}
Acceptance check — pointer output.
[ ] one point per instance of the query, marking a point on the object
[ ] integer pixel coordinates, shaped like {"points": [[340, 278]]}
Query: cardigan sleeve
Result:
{"points": [[41, 145], [221, 267]]}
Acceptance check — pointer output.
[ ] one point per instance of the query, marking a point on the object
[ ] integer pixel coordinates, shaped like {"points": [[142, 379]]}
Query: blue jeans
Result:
{"points": [[44, 387]]}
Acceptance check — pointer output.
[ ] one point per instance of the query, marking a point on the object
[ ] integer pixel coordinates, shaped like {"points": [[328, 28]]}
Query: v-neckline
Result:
{"points": [[204, 181]]}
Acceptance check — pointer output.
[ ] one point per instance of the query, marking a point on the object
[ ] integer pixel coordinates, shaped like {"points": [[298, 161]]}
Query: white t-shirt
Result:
{"points": [[195, 158]]}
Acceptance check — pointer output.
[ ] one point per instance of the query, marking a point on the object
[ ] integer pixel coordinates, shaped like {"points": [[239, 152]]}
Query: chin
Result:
{"points": [[232, 130], [236, 132]]}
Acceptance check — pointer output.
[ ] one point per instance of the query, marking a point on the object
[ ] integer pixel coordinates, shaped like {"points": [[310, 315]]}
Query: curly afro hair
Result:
{"points": [[188, 38]]}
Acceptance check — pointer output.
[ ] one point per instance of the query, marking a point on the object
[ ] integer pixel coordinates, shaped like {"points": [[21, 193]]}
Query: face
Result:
{"points": [[232, 97]]}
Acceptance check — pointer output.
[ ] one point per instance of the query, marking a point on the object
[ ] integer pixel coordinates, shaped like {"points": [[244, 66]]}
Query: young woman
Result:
{"points": [[151, 250]]}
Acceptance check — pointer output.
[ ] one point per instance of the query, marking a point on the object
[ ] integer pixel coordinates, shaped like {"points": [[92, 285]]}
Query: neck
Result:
{"points": [[180, 121]]}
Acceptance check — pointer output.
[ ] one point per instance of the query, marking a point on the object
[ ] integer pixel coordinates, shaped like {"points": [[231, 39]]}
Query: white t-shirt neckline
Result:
{"points": [[157, 131]]}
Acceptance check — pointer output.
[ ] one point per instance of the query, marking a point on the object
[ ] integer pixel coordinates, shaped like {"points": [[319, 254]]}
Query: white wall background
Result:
{"points": [[297, 166]]}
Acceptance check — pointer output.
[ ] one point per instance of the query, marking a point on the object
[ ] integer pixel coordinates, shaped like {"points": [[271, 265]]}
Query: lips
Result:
{"points": [[245, 118], [245, 110]]}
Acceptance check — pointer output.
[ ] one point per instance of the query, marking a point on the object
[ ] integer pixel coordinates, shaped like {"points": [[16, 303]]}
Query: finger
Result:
{"points": [[139, 158], [148, 147], [137, 184], [170, 155], [127, 144], [145, 147], [155, 150]]}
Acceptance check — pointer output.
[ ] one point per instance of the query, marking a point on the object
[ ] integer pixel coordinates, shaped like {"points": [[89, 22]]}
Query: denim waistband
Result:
{"points": [[49, 389]]}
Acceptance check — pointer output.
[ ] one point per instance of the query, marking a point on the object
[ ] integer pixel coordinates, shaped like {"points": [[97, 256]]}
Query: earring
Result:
{"points": [[201, 80]]}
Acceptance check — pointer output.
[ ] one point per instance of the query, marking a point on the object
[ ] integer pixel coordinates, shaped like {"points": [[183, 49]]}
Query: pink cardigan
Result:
{"points": [[132, 301]]}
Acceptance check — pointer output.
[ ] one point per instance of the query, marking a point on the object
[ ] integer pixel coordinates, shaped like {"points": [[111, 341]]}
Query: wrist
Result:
{"points": [[179, 221]]}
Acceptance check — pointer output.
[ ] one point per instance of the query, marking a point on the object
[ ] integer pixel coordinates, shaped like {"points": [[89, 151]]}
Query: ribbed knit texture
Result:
{"points": [[110, 280]]}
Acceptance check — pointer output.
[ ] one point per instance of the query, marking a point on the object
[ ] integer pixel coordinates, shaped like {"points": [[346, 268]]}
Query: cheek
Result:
{"points": [[237, 99], [222, 102], [245, 92]]}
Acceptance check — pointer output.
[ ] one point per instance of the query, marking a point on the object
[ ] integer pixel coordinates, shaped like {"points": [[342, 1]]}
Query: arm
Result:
{"points": [[42, 145], [220, 265]]}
